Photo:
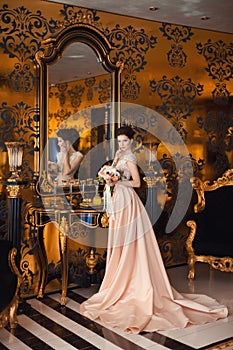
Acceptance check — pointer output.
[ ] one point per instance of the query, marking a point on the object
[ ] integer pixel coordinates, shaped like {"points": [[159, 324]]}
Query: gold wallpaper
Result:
{"points": [[183, 73]]}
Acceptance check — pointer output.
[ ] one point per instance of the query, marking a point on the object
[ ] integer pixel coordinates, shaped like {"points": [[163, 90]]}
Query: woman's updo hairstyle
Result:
{"points": [[71, 135], [125, 130]]}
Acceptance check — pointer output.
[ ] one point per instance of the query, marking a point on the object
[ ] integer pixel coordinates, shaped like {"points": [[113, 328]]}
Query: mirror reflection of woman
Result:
{"points": [[136, 294], [69, 157]]}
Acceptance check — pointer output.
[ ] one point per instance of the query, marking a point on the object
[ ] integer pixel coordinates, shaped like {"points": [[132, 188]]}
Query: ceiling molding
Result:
{"points": [[211, 15]]}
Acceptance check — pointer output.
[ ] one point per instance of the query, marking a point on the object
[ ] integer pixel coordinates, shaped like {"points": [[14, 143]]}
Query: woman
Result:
{"points": [[135, 294], [69, 158]]}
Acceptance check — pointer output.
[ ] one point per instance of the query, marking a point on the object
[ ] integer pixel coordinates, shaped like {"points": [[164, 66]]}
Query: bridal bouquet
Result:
{"points": [[108, 174]]}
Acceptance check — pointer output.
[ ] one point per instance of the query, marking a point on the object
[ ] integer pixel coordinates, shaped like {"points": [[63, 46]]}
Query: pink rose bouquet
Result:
{"points": [[108, 174]]}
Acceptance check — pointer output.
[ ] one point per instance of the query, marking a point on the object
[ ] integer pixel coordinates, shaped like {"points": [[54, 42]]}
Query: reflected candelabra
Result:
{"points": [[83, 184]]}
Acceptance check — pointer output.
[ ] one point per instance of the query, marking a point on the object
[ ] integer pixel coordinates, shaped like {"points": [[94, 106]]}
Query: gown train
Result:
{"points": [[136, 294]]}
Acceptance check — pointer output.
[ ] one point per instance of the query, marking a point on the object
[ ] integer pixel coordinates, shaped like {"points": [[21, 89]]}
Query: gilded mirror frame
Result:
{"points": [[53, 51]]}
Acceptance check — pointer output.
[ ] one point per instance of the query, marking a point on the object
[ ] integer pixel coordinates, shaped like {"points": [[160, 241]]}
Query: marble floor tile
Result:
{"points": [[46, 325]]}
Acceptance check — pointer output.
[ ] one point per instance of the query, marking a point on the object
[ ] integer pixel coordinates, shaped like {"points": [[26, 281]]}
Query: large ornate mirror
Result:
{"points": [[79, 88]]}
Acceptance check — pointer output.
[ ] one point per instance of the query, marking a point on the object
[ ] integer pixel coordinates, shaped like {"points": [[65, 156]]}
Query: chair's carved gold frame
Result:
{"points": [[218, 263], [9, 314]]}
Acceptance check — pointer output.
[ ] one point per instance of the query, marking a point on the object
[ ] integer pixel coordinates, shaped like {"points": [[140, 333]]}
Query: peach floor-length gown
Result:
{"points": [[135, 294]]}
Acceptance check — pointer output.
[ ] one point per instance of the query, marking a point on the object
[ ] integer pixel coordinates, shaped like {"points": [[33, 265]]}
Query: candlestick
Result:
{"points": [[83, 182], [71, 191], [97, 199], [55, 194]]}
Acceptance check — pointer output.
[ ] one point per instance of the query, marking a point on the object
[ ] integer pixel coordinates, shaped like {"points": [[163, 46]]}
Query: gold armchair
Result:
{"points": [[210, 238], [10, 280]]}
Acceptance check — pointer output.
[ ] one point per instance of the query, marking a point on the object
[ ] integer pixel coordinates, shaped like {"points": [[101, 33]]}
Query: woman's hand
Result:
{"points": [[64, 149], [119, 153], [52, 167]]}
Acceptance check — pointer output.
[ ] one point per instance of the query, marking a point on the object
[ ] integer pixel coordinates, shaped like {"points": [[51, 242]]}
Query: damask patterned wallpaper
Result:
{"points": [[183, 73], [69, 101]]}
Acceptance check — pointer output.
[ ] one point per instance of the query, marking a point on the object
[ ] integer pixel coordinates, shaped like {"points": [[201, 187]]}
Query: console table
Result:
{"points": [[38, 217]]}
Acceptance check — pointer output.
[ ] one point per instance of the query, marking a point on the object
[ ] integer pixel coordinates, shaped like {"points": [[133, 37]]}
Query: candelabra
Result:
{"points": [[14, 185], [15, 157], [153, 178]]}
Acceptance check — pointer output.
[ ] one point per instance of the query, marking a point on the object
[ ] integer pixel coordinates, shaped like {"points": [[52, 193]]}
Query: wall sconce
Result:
{"points": [[15, 157]]}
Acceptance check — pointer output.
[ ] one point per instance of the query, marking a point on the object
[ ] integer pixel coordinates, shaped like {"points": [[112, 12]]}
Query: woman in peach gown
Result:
{"points": [[135, 294]]}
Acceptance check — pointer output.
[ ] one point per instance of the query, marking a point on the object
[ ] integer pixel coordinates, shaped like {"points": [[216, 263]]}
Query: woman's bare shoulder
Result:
{"points": [[130, 157]]}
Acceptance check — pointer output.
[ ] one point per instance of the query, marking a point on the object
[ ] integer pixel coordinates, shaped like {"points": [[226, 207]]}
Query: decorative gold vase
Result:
{"points": [[91, 261], [15, 157]]}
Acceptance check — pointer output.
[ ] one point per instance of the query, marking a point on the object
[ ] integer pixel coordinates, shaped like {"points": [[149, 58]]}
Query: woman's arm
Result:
{"points": [[68, 168], [117, 157], [136, 181]]}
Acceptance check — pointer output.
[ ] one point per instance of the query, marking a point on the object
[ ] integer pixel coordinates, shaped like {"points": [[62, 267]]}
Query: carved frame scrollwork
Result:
{"points": [[201, 187], [53, 49], [9, 313], [218, 263]]}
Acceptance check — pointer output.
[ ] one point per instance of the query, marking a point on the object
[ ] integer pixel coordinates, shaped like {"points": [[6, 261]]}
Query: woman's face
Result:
{"points": [[124, 143], [64, 145], [60, 142]]}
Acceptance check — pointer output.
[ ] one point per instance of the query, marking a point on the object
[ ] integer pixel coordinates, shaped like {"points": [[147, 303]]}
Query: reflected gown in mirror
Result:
{"points": [[136, 294]]}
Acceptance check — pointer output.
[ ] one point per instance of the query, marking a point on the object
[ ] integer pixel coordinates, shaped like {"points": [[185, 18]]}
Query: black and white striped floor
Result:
{"points": [[45, 325]]}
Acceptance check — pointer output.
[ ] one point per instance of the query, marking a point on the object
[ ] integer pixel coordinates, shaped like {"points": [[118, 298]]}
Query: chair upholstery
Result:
{"points": [[210, 238], [10, 280]]}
